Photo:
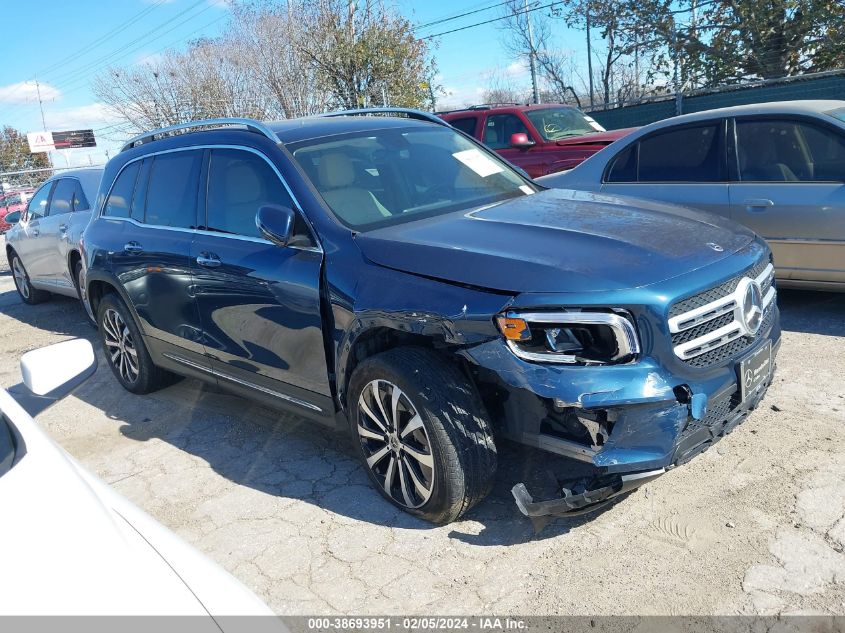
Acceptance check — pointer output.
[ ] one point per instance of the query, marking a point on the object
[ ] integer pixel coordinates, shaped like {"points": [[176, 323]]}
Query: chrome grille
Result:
{"points": [[717, 292], [708, 328]]}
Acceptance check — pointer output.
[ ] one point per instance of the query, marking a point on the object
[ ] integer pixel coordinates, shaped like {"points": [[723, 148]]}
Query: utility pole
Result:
{"points": [[40, 104], [590, 57], [43, 120], [531, 56]]}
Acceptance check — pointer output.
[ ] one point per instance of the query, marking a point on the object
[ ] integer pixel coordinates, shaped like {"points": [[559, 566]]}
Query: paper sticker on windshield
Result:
{"points": [[594, 124], [478, 162]]}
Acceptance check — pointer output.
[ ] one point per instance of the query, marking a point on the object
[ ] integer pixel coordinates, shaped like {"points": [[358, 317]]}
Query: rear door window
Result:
{"points": [[466, 124], [62, 200], [120, 197], [689, 154], [172, 190], [789, 151], [239, 183]]}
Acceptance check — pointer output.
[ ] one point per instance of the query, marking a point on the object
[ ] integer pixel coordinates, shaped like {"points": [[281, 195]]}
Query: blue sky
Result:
{"points": [[65, 44]]}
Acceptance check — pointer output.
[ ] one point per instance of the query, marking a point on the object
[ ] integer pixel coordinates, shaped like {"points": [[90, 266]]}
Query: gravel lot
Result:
{"points": [[755, 525]]}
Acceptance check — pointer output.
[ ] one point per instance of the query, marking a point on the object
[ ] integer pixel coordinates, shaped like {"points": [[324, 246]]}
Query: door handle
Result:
{"points": [[63, 228], [133, 248], [209, 260], [759, 205]]}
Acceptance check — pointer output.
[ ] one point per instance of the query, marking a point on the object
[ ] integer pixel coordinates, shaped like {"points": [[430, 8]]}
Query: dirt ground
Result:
{"points": [[754, 526]]}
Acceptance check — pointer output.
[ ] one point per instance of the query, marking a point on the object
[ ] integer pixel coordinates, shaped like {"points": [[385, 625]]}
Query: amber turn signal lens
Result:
{"points": [[513, 329]]}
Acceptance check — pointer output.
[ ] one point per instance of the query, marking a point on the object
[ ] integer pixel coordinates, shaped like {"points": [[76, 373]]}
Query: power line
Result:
{"points": [[81, 81], [460, 15], [72, 80], [104, 38], [87, 48], [503, 17], [80, 72]]}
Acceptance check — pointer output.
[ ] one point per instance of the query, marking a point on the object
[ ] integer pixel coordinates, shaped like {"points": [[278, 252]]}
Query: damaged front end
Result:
{"points": [[620, 421]]}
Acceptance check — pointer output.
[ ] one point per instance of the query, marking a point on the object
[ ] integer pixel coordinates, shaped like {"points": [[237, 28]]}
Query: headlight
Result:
{"points": [[571, 337]]}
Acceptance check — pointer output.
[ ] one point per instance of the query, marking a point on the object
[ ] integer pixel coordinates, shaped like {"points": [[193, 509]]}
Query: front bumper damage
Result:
{"points": [[651, 420], [573, 503]]}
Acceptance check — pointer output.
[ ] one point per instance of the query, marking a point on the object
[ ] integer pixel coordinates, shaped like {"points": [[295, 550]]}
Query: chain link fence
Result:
{"points": [[826, 85], [19, 185]]}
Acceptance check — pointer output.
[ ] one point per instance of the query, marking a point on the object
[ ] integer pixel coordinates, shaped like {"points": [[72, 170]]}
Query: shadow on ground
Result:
{"points": [[283, 455], [812, 312]]}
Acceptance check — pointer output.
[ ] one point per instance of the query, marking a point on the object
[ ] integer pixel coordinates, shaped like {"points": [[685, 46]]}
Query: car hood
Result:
{"points": [[597, 138], [558, 241], [72, 546]]}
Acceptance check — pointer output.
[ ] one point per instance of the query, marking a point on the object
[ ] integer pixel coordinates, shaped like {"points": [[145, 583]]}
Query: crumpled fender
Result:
{"points": [[447, 314]]}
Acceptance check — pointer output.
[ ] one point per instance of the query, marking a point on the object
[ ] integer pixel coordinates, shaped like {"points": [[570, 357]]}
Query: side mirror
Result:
{"points": [[276, 223], [13, 218], [53, 372], [521, 140]]}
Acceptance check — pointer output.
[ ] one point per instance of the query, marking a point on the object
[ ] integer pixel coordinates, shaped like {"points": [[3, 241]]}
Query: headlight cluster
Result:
{"points": [[570, 337]]}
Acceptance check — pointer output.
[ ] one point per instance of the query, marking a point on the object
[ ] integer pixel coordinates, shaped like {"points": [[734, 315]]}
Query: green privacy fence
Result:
{"points": [[827, 85]]}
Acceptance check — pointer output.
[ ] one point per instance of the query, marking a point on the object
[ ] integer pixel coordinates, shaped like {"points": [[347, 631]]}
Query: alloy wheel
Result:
{"points": [[20, 277], [395, 443], [121, 347]]}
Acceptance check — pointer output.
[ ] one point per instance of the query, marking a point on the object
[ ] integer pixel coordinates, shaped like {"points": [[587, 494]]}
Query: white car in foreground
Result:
{"points": [[73, 546]]}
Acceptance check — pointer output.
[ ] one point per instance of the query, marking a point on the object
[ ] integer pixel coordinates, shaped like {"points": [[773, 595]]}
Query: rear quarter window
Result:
{"points": [[623, 168]]}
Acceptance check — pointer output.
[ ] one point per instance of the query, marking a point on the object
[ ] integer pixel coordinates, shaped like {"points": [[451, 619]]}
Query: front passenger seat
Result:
{"points": [[353, 205]]}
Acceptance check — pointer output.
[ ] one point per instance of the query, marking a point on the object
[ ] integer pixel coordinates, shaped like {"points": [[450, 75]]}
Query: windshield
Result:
{"points": [[369, 179], [558, 123]]}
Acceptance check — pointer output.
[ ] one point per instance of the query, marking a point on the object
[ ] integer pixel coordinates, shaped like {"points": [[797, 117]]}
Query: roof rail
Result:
{"points": [[408, 112], [249, 124]]}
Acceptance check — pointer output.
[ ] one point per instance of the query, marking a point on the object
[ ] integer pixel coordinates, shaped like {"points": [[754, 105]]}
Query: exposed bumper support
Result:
{"points": [[576, 503]]}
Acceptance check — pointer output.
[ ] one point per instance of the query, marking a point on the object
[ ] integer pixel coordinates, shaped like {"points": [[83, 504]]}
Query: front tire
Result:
{"points": [[422, 433], [28, 293], [124, 348]]}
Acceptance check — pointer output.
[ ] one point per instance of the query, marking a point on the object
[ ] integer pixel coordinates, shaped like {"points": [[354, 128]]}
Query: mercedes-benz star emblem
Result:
{"points": [[750, 308], [749, 377]]}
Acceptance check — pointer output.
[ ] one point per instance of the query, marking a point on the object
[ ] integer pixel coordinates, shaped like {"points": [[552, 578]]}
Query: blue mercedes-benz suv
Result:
{"points": [[390, 275]]}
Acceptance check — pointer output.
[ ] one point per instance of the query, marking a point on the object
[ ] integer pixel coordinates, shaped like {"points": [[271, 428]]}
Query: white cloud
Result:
{"points": [[94, 115], [517, 69], [27, 92], [459, 97]]}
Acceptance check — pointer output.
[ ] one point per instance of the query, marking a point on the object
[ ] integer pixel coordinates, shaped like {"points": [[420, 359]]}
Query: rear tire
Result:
{"points": [[422, 433], [124, 348], [28, 293]]}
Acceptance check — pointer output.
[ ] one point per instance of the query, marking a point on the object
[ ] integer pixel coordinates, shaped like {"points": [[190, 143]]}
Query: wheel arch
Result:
{"points": [[380, 338], [98, 284]]}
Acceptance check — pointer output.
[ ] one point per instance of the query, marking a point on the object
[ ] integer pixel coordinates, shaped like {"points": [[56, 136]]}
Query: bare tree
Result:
{"points": [[500, 89], [271, 41], [278, 61], [553, 65]]}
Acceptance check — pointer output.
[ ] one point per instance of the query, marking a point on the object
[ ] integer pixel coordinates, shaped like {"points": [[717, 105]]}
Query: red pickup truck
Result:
{"points": [[541, 139]]}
